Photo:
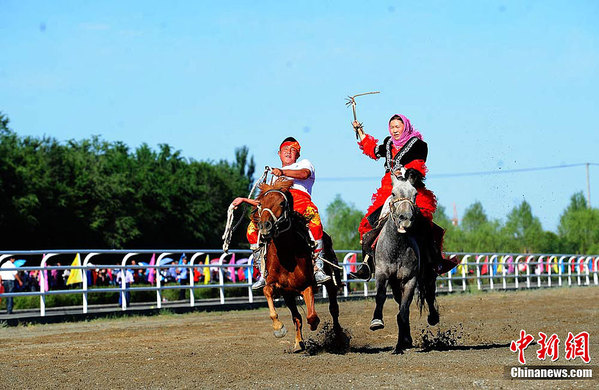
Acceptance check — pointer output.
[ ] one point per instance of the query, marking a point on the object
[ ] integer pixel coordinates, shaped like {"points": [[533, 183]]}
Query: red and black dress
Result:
{"points": [[411, 155]]}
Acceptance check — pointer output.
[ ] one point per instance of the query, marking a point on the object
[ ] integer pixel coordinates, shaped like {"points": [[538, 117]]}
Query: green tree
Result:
{"points": [[524, 230], [342, 221], [94, 193], [579, 226], [479, 233]]}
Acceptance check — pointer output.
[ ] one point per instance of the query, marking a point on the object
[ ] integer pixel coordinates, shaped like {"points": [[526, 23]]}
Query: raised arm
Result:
{"points": [[367, 143]]}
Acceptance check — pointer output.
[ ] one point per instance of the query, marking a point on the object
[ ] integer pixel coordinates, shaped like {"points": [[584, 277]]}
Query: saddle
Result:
{"points": [[443, 265]]}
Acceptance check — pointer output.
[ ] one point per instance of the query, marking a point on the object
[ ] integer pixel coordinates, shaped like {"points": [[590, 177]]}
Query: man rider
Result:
{"points": [[303, 175]]}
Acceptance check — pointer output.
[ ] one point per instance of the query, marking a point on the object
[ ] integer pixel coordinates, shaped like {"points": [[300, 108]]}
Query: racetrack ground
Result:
{"points": [[237, 349]]}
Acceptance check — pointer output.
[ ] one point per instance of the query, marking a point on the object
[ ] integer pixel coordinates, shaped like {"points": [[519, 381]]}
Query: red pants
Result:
{"points": [[302, 203], [425, 200]]}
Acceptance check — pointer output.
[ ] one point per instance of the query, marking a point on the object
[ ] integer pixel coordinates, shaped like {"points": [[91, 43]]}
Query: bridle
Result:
{"points": [[394, 203], [282, 223]]}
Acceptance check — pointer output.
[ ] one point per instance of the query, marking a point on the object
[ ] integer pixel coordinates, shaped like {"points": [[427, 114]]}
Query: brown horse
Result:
{"points": [[289, 259]]}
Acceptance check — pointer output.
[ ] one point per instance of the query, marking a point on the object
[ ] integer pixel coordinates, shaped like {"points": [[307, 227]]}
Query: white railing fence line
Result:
{"points": [[222, 271]]}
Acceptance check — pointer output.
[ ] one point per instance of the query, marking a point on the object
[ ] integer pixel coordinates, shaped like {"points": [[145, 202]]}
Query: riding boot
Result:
{"points": [[319, 274], [441, 264], [366, 269], [259, 260]]}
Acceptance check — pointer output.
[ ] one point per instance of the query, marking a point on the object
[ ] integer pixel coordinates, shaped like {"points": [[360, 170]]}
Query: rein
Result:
{"points": [[229, 228]]}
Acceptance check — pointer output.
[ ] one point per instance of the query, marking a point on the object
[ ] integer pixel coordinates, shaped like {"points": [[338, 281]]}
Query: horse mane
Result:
{"points": [[280, 184], [416, 176]]}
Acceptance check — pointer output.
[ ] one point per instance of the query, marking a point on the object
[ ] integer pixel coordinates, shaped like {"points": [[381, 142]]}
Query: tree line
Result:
{"points": [[577, 233], [98, 194]]}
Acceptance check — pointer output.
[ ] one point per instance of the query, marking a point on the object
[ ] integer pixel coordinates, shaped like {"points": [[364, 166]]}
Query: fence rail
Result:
{"points": [[212, 269]]}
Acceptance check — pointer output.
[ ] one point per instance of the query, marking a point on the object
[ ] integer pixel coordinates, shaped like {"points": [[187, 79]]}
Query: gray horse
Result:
{"points": [[403, 261]]}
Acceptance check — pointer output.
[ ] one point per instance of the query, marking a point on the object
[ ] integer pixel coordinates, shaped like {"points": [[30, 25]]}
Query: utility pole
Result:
{"points": [[588, 188]]}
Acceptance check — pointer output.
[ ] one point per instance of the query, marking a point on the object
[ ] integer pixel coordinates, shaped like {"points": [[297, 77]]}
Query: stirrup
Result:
{"points": [[260, 283], [363, 272]]}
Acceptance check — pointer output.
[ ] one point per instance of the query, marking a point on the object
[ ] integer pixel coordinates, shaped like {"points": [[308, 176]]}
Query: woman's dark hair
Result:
{"points": [[394, 117]]}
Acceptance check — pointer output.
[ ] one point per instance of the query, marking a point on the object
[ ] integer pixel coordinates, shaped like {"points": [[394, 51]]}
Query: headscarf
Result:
{"points": [[408, 132]]}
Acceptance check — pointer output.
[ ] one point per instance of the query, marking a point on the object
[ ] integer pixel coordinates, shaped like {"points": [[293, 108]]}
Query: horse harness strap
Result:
{"points": [[278, 222], [392, 203]]}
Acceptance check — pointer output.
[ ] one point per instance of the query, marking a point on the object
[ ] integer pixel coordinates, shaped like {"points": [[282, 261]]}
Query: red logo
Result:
{"points": [[575, 346], [578, 346]]}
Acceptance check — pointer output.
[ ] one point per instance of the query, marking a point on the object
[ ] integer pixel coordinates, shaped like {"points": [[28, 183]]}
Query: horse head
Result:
{"points": [[272, 215], [402, 207]]}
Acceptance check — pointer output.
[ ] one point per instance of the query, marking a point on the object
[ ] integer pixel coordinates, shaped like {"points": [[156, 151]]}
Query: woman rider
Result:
{"points": [[403, 147]]}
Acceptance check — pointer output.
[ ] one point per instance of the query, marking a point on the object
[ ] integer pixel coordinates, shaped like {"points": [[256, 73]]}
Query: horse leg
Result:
{"points": [[333, 304], [278, 326], [297, 320], [313, 319], [403, 296], [381, 297]]}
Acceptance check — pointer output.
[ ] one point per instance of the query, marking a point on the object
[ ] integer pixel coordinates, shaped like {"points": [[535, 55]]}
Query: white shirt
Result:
{"points": [[7, 272], [128, 276], [303, 185]]}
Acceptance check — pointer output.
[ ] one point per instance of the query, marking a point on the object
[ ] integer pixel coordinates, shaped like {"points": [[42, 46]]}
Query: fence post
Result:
{"points": [[159, 279], [492, 271], [478, 275], [539, 269], [124, 288], [221, 278], [570, 269], [43, 284], [589, 260], [560, 269], [517, 270], [504, 270], [85, 281], [192, 298], [345, 265], [464, 263], [528, 270]]}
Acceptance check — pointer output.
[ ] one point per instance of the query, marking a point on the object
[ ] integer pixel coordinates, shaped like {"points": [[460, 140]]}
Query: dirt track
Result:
{"points": [[237, 349]]}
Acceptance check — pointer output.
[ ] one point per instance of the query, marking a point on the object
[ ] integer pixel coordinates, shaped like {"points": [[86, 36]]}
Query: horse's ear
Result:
{"points": [[413, 176], [394, 179]]}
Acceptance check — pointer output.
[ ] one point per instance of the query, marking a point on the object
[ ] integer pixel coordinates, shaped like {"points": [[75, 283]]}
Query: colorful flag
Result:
{"points": [[152, 271], [485, 268], [76, 275], [207, 270]]}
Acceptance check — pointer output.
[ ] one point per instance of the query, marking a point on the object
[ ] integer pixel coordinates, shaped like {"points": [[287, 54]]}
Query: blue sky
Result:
{"points": [[492, 85]]}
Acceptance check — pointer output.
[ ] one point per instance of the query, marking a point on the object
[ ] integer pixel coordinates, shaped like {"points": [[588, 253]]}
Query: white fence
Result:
{"points": [[211, 269]]}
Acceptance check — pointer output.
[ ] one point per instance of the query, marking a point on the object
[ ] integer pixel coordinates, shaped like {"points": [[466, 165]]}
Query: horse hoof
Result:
{"points": [[397, 351], [376, 324], [433, 319], [314, 324], [281, 332], [300, 347]]}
